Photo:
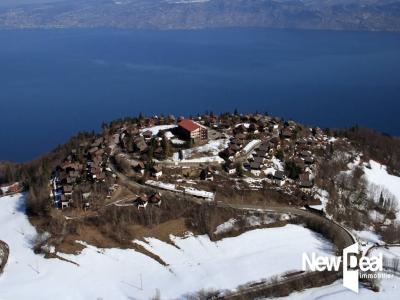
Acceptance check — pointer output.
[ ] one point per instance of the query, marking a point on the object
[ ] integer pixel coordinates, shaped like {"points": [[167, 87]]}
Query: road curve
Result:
{"points": [[348, 238], [386, 246]]}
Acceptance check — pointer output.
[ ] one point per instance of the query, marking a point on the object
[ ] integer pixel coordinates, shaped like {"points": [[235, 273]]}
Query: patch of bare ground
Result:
{"points": [[71, 246], [76, 213], [121, 193], [88, 234], [117, 227], [263, 197], [54, 255], [200, 154], [143, 250], [101, 238], [163, 231]]}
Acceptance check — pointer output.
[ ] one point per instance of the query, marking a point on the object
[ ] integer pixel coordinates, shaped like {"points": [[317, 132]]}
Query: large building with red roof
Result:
{"points": [[192, 130]]}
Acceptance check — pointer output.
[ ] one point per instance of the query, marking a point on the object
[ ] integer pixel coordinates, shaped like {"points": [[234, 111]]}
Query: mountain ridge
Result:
{"points": [[370, 15]]}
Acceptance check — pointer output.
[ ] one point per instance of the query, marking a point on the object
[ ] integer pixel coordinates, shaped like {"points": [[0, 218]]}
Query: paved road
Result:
{"points": [[348, 237], [247, 292], [386, 246]]}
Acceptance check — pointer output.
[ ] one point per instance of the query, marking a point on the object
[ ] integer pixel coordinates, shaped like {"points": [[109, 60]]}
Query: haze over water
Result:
{"points": [[54, 83]]}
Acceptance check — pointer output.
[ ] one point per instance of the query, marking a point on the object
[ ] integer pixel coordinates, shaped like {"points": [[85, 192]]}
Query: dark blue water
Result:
{"points": [[54, 83]]}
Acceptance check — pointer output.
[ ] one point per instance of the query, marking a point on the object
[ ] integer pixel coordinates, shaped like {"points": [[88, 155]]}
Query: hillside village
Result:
{"points": [[169, 179], [181, 154]]}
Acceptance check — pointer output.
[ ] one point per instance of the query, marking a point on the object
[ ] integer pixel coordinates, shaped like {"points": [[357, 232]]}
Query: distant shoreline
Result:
{"points": [[195, 29], [156, 14]]}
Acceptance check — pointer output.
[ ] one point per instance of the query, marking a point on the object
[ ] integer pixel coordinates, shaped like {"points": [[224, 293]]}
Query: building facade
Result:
{"points": [[192, 130]]}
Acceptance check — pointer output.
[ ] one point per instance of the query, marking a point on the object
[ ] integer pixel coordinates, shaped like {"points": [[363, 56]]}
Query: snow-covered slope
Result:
{"points": [[390, 252], [378, 176], [390, 290], [196, 263], [155, 129], [205, 153]]}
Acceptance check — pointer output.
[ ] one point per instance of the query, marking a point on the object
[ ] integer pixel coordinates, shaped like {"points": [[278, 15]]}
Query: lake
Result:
{"points": [[54, 83]]}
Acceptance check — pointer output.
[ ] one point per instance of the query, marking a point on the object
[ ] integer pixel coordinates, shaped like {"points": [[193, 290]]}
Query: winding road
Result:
{"points": [[348, 238]]}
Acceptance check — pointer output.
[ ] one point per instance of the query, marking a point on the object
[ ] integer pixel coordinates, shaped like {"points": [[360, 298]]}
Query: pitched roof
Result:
{"points": [[188, 125]]}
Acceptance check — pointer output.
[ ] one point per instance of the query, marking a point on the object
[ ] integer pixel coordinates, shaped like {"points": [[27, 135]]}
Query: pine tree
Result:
{"points": [[8, 174], [239, 170], [381, 200], [130, 145], [166, 146], [280, 155], [180, 154]]}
